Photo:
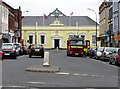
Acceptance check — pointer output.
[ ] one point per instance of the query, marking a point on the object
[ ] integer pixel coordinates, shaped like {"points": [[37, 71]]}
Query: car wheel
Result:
{"points": [[113, 60], [15, 57], [110, 62], [30, 56], [68, 54], [2, 58]]}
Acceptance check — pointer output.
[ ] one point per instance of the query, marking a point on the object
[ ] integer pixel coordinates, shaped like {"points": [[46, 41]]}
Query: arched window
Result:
{"points": [[70, 35], [83, 35], [42, 38], [93, 38], [30, 38]]}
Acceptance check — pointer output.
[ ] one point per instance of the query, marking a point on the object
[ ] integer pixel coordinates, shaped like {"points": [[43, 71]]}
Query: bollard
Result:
{"points": [[46, 59]]}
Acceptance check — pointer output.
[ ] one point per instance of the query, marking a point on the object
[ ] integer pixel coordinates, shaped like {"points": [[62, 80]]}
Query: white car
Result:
{"points": [[19, 47], [106, 52], [99, 52]]}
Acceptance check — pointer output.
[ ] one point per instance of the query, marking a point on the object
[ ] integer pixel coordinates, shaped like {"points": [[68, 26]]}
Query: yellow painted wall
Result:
{"points": [[62, 31]]}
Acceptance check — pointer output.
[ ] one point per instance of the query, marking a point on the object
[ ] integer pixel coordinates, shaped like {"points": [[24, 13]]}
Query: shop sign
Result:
{"points": [[117, 37]]}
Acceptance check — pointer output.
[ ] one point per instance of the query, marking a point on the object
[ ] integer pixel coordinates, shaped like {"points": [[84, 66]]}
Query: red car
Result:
{"points": [[114, 57], [1, 54]]}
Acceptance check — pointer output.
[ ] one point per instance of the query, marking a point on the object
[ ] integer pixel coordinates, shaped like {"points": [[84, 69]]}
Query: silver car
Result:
{"points": [[99, 52], [106, 52]]}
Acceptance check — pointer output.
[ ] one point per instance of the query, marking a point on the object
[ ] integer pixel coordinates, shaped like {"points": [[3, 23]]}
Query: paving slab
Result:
{"points": [[39, 68]]}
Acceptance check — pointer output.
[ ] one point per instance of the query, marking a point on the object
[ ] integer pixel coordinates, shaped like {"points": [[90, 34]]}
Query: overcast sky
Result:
{"points": [[40, 7]]}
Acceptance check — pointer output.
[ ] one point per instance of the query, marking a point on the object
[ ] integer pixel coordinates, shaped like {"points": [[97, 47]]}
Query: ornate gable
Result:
{"points": [[56, 23], [56, 13]]}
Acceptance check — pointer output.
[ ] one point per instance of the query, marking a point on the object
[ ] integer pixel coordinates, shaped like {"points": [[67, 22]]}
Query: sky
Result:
{"points": [[40, 7]]}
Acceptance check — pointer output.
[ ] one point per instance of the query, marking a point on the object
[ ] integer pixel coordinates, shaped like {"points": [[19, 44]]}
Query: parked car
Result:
{"points": [[99, 52], [92, 52], [1, 54], [9, 50], [25, 50], [19, 47], [105, 53], [37, 50], [114, 56]]}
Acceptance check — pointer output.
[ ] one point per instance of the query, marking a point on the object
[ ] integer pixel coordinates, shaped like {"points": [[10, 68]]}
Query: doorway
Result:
{"points": [[56, 43]]}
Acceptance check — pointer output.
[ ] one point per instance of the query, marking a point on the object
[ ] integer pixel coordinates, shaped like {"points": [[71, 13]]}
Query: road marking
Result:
{"points": [[83, 74], [37, 82], [63, 73], [49, 83], [14, 86], [76, 74], [98, 75], [114, 76]]}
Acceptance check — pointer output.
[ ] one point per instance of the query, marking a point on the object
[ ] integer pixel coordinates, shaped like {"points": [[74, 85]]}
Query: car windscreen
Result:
{"points": [[17, 45], [76, 42], [7, 46], [111, 49], [100, 49], [37, 46], [93, 48]]}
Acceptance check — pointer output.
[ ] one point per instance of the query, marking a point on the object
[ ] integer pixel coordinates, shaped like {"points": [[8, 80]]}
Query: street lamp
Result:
{"points": [[22, 18], [96, 23], [36, 25]]}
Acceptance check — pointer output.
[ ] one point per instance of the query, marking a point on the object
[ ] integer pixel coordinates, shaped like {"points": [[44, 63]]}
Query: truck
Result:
{"points": [[77, 46]]}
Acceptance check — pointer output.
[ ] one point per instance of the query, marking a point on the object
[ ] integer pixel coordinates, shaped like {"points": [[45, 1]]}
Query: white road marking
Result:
{"points": [[63, 73], [14, 86], [114, 76], [37, 82], [76, 74], [83, 74], [98, 75], [49, 83]]}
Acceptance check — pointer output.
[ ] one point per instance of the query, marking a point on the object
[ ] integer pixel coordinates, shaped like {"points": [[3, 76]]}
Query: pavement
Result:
{"points": [[39, 68]]}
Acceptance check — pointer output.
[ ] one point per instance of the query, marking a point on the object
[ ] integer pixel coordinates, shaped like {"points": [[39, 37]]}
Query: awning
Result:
{"points": [[117, 37]]}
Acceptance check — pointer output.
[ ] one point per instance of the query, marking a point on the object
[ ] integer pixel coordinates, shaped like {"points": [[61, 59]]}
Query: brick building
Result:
{"points": [[13, 32]]}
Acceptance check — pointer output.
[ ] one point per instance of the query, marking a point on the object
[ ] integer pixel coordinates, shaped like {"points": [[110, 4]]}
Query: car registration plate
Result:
{"points": [[76, 53], [7, 54], [36, 49]]}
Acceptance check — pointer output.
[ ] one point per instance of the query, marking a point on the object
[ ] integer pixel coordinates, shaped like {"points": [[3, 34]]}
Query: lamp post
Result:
{"points": [[96, 23], [22, 18], [36, 24]]}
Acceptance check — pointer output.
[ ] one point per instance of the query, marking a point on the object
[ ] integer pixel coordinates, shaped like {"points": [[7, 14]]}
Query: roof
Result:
{"points": [[82, 20], [66, 20]]}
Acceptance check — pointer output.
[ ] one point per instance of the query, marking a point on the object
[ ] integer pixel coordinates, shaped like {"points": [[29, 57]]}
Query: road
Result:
{"points": [[75, 72]]}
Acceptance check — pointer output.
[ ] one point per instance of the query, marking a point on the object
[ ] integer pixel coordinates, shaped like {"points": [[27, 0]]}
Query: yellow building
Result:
{"points": [[54, 30]]}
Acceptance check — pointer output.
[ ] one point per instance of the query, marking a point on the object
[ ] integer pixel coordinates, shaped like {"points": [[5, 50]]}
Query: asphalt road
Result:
{"points": [[75, 72]]}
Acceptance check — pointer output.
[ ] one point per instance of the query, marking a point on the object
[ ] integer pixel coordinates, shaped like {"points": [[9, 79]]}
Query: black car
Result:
{"points": [[36, 50], [92, 52], [25, 50], [9, 50]]}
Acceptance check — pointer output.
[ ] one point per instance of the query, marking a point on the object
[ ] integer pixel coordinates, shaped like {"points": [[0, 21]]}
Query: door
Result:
{"points": [[56, 43], [30, 39]]}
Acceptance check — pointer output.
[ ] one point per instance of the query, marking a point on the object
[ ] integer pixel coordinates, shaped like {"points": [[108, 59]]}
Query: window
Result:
{"points": [[93, 39], [30, 39], [83, 36], [42, 39], [70, 35], [76, 42]]}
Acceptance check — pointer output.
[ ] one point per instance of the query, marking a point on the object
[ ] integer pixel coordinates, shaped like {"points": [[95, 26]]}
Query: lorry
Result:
{"points": [[77, 46]]}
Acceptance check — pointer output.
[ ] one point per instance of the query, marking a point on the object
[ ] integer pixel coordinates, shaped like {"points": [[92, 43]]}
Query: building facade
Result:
{"points": [[103, 23], [12, 23], [54, 30], [112, 15]]}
